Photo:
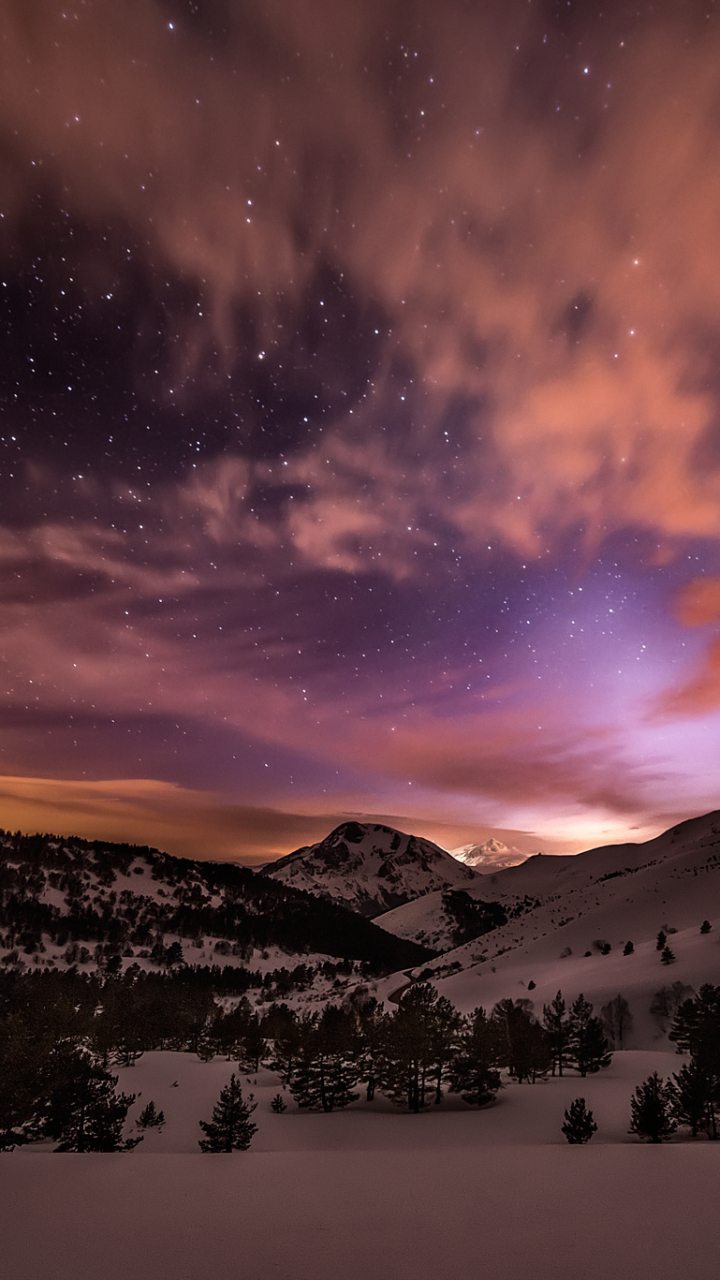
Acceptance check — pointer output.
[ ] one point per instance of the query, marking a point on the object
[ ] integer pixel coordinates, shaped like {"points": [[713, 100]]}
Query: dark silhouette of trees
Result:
{"points": [[525, 1047], [705, 927], [150, 1117], [325, 1071], [693, 1102], [668, 956], [628, 948], [557, 1026], [588, 1050], [651, 1109], [80, 1109], [474, 1070], [231, 1128], [696, 1030], [579, 1125], [409, 1045]]}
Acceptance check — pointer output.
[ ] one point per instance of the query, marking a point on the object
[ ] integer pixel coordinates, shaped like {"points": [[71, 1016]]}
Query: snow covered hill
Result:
{"points": [[97, 905], [569, 920], [371, 868]]}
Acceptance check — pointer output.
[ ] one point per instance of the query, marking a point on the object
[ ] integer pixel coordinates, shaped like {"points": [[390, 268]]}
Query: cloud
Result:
{"points": [[697, 605], [552, 264], [188, 823]]}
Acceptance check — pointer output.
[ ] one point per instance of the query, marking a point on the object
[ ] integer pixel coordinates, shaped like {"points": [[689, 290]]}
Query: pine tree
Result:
{"points": [[660, 941], [370, 1025], [406, 1056], [446, 1023], [692, 1099], [579, 1123], [278, 1105], [628, 949], [81, 1110], [150, 1117], [696, 1030], [252, 1046], [558, 1029], [474, 1070], [705, 927], [651, 1110], [231, 1128], [668, 956], [326, 1069], [525, 1043], [589, 1050]]}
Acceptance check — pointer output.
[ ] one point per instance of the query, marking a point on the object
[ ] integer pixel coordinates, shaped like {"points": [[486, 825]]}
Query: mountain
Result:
{"points": [[569, 919], [70, 902], [371, 868], [491, 855]]}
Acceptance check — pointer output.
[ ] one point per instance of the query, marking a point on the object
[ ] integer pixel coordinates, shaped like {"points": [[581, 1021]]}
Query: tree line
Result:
{"points": [[56, 1029]]}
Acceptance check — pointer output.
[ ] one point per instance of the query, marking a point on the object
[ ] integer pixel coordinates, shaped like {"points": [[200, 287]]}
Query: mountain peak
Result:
{"points": [[370, 867]]}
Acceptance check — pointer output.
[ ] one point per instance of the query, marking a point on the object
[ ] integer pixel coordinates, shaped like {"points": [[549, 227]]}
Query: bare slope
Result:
{"points": [[371, 868]]}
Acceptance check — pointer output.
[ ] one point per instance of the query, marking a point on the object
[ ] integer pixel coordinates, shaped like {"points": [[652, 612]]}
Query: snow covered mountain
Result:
{"points": [[96, 905], [491, 855], [569, 921], [371, 868], [609, 891]]}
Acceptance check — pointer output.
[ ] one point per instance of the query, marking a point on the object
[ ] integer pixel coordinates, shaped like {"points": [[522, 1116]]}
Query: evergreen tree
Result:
{"points": [[692, 1103], [474, 1070], [696, 1030], [278, 1105], [558, 1029], [628, 949], [80, 1109], [616, 1019], [370, 1028], [252, 1046], [524, 1042], [150, 1117], [231, 1128], [651, 1110], [579, 1123], [589, 1050], [325, 1071], [660, 941], [446, 1024], [668, 956], [406, 1054], [286, 1035], [705, 927]]}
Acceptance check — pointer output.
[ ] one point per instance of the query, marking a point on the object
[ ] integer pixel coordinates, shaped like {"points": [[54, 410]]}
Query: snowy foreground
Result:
{"points": [[370, 1192]]}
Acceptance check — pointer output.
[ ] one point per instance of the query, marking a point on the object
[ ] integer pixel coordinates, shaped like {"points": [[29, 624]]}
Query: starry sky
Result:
{"points": [[360, 419]]}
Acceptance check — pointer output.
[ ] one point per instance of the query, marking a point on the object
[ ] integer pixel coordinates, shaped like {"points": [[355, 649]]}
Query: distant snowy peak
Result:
{"points": [[489, 856], [371, 868]]}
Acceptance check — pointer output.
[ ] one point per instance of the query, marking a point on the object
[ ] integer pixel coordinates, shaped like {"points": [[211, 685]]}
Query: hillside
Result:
{"points": [[569, 920], [371, 868], [73, 902]]}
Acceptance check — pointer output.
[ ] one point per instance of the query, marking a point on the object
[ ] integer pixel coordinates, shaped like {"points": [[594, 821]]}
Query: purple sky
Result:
{"points": [[360, 432]]}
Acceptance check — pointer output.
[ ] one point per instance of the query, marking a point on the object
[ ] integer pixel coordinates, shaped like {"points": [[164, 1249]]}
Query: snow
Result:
{"points": [[453, 1193], [369, 867], [449, 1194]]}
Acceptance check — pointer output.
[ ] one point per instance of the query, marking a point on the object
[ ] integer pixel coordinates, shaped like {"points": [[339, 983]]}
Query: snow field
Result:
{"points": [[488, 1212]]}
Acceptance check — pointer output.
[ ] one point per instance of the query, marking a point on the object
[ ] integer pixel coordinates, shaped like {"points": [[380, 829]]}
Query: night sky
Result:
{"points": [[360, 419]]}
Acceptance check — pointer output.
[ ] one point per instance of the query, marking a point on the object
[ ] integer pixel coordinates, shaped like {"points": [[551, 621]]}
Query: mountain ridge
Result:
{"points": [[371, 868]]}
